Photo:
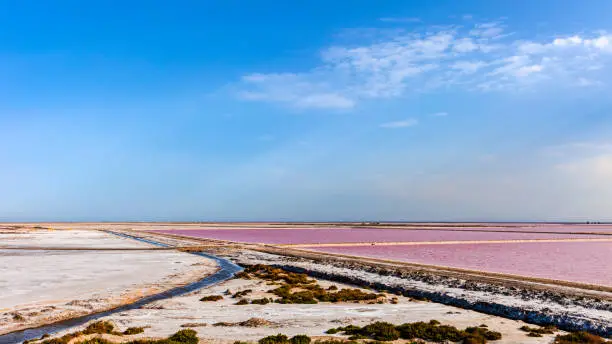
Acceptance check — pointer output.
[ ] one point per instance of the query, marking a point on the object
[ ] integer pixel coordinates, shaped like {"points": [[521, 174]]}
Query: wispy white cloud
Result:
{"points": [[487, 30], [483, 57], [465, 45], [300, 91], [468, 67], [410, 122]]}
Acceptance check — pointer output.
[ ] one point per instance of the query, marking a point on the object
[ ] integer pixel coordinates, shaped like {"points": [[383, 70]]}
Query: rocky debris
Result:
{"points": [[532, 306], [155, 305], [194, 325], [18, 317], [252, 322], [256, 322], [80, 303]]}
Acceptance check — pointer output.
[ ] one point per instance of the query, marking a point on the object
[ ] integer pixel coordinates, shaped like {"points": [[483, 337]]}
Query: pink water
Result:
{"points": [[337, 235], [546, 228], [586, 262]]}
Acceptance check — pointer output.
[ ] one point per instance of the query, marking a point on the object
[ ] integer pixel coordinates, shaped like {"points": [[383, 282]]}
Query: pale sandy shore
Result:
{"points": [[167, 316], [39, 287]]}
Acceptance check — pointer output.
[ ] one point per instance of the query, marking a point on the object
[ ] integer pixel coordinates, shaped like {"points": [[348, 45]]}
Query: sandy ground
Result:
{"points": [[166, 317], [46, 286]]}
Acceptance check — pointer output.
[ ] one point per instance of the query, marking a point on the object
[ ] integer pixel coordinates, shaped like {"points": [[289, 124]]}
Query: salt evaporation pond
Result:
{"points": [[584, 262], [356, 235], [544, 228]]}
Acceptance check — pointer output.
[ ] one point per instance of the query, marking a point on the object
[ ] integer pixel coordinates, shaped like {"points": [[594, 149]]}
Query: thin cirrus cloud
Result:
{"points": [[484, 57], [410, 122]]}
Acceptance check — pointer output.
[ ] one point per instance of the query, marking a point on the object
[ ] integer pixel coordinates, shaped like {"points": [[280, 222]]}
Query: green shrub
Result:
{"points": [[300, 339], [187, 336], [243, 275], [310, 291], [538, 330], [431, 332], [269, 273], [262, 301], [242, 293], [133, 330], [277, 339], [180, 337], [212, 298], [345, 295], [301, 297], [335, 341], [483, 332], [350, 329], [382, 331], [100, 327], [474, 340], [95, 341], [242, 302], [579, 337]]}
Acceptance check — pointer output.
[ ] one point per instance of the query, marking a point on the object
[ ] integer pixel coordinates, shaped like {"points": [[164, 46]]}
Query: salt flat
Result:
{"points": [[67, 239], [43, 286]]}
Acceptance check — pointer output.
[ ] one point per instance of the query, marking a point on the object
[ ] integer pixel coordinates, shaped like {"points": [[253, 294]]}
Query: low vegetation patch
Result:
{"points": [[211, 298], [241, 293], [18, 317], [300, 339], [133, 330], [262, 301], [296, 288], [282, 339], [98, 327], [431, 331], [538, 331], [579, 337], [181, 337]]}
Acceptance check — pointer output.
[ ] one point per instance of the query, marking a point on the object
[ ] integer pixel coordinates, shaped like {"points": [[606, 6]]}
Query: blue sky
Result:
{"points": [[305, 110]]}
